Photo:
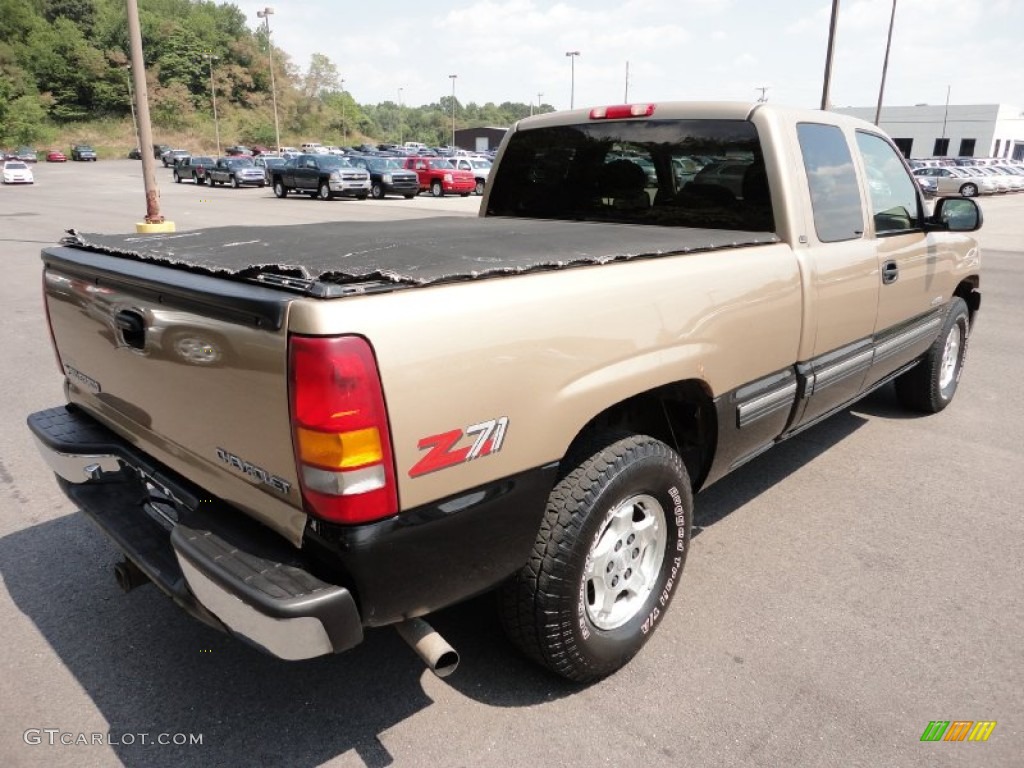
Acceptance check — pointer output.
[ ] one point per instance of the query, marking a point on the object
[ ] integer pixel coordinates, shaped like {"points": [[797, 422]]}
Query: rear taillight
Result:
{"points": [[340, 429], [621, 110]]}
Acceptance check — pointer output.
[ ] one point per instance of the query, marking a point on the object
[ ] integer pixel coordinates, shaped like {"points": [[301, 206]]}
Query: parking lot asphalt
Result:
{"points": [[843, 590]]}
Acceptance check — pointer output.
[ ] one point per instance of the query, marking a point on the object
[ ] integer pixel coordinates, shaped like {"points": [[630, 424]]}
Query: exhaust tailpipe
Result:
{"points": [[440, 657], [129, 576]]}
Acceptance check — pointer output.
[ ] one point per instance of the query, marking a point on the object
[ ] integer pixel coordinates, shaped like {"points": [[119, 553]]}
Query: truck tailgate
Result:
{"points": [[189, 368]]}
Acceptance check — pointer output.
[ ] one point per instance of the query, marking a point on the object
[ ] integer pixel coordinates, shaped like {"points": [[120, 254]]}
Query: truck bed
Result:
{"points": [[339, 258]]}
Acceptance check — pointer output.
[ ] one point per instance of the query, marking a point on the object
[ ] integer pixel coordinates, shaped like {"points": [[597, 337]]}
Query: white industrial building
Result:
{"points": [[972, 130]]}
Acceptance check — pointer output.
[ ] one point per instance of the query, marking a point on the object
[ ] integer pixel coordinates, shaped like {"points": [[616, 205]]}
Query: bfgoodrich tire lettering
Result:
{"points": [[931, 384], [607, 561]]}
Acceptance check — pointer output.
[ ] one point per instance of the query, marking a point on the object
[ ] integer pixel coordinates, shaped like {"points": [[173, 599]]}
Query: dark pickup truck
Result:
{"points": [[323, 176], [195, 169]]}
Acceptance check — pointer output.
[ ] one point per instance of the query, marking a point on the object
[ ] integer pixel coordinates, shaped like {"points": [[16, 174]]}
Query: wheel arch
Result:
{"points": [[969, 290], [681, 414]]}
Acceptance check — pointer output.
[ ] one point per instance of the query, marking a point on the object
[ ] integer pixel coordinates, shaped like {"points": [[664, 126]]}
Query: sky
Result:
{"points": [[676, 49]]}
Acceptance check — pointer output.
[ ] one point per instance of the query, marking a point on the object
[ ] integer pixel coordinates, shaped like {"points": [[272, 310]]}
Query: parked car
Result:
{"points": [[17, 172], [950, 180], [135, 154], [323, 176], [481, 170], [194, 169], [238, 151], [56, 156], [172, 157], [387, 176], [268, 163], [25, 154], [1010, 181], [159, 149], [83, 152], [439, 176], [927, 185], [236, 171]]}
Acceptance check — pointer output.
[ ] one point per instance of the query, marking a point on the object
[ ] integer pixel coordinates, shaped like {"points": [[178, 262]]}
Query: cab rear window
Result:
{"points": [[681, 173]]}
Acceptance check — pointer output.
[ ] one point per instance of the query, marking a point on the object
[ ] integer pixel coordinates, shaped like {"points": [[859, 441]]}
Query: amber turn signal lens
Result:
{"points": [[339, 450]]}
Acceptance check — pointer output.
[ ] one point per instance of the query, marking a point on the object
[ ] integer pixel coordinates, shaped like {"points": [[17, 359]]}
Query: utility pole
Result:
{"points": [[885, 64], [131, 103], [401, 134], [265, 14], [764, 93], [213, 93], [825, 104], [453, 109], [344, 133], [572, 82], [625, 99], [154, 221]]}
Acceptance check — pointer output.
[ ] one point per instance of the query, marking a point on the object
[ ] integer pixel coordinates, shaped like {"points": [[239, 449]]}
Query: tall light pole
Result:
{"points": [[131, 103], [400, 133], [572, 83], [213, 94], [885, 64], [453, 108], [829, 52], [265, 14]]}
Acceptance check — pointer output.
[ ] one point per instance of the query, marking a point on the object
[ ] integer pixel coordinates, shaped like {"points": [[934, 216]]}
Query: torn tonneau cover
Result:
{"points": [[410, 252]]}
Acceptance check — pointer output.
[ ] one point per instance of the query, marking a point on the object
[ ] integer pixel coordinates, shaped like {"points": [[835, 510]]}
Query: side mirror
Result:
{"points": [[956, 214]]}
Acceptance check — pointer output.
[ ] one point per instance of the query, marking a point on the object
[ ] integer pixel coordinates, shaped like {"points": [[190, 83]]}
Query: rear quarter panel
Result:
{"points": [[549, 351]]}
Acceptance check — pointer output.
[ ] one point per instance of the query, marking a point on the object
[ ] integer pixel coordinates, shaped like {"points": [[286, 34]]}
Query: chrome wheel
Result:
{"points": [[623, 565], [950, 358]]}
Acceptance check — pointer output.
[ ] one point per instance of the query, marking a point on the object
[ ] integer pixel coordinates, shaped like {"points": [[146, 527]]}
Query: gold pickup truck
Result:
{"points": [[300, 432]]}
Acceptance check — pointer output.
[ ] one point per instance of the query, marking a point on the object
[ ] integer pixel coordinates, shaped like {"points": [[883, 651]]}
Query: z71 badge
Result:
{"points": [[442, 453]]}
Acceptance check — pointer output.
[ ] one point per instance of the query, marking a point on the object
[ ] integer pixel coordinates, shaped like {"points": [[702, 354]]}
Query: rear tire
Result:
{"points": [[479, 187], [607, 560], [279, 189], [377, 192], [234, 182], [969, 190], [930, 385]]}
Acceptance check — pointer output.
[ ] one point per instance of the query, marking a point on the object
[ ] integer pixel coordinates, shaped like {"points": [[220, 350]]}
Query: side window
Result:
{"points": [[893, 194], [835, 195]]}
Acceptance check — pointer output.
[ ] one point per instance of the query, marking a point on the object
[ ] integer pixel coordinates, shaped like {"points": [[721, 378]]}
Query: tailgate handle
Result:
{"points": [[132, 328]]}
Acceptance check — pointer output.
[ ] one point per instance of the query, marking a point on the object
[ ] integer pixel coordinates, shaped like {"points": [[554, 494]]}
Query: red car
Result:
{"points": [[440, 176], [56, 156]]}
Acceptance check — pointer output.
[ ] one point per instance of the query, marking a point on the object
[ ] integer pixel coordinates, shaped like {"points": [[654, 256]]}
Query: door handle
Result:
{"points": [[890, 272]]}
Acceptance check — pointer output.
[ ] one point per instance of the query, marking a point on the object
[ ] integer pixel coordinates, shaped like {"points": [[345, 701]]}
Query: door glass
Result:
{"points": [[893, 194], [832, 179]]}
